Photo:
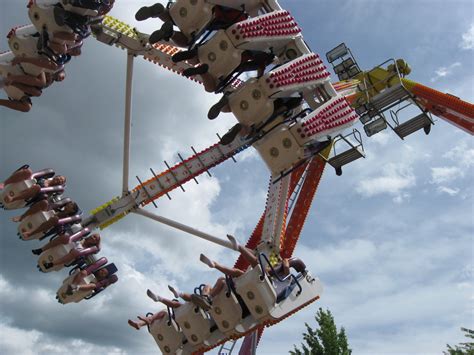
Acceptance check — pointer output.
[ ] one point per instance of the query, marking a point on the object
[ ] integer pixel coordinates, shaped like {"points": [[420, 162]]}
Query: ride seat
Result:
{"points": [[226, 311], [250, 104], [194, 323], [191, 17], [257, 292], [303, 289], [52, 254], [42, 17], [7, 68], [13, 190], [32, 222], [220, 54], [78, 296], [167, 335]]}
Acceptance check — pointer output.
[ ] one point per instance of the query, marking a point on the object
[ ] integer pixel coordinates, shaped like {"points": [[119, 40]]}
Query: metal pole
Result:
{"points": [[127, 123], [185, 228]]}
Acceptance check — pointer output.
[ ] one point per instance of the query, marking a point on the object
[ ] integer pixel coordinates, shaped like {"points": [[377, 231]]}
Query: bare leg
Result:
{"points": [[63, 239], [218, 287], [60, 48], [232, 272], [46, 226], [16, 105], [146, 320], [38, 81], [64, 37], [177, 294], [37, 207], [18, 176], [246, 253], [30, 90], [25, 195], [209, 82], [165, 301]]}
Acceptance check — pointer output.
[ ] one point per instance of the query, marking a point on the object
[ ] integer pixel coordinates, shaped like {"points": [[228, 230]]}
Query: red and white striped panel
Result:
{"points": [[300, 73], [333, 115]]}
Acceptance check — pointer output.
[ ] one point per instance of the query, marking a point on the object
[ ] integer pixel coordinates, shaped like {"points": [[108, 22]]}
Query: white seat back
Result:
{"points": [[194, 323], [259, 295], [13, 190], [250, 103], [32, 222], [220, 54], [226, 312], [76, 296], [7, 68], [42, 17], [167, 335], [52, 254], [191, 16], [311, 290]]}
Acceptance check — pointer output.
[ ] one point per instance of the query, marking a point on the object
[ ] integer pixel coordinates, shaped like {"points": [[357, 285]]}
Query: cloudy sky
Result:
{"points": [[391, 239]]}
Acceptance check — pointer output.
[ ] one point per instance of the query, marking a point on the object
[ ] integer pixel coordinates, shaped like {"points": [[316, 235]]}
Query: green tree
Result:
{"points": [[323, 341], [463, 348]]}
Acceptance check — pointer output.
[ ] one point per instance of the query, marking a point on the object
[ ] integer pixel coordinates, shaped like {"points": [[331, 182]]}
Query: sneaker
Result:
{"points": [[230, 136], [163, 34], [217, 108], [149, 11], [201, 69], [201, 301], [184, 55], [48, 265]]}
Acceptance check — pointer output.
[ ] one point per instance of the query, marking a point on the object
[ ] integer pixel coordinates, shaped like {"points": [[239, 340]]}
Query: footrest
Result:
{"points": [[413, 125], [346, 157], [389, 96]]}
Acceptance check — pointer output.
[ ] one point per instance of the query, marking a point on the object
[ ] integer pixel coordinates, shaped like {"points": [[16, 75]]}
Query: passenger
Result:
{"points": [[40, 82], [40, 206], [40, 61], [250, 61], [202, 301], [103, 278], [282, 106], [223, 17], [25, 173], [69, 210], [147, 320], [278, 274], [22, 104], [87, 246]]}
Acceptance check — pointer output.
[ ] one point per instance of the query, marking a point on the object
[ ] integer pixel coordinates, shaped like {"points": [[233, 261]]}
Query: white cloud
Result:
{"points": [[443, 72], [468, 38], [448, 190], [462, 154], [445, 174], [394, 180]]}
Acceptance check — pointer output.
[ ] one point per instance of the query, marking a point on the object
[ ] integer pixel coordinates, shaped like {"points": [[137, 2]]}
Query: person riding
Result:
{"points": [[68, 210], [223, 17], [25, 173], [87, 246]]}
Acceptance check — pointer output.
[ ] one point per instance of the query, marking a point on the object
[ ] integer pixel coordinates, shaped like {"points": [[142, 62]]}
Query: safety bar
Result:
{"points": [[79, 235], [45, 173], [262, 277]]}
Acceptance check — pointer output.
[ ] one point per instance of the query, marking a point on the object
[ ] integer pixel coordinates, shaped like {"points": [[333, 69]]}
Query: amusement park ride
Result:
{"points": [[287, 109]]}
